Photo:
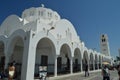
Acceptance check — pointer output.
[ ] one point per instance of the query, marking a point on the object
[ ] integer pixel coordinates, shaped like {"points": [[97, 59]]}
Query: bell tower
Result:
{"points": [[104, 45]]}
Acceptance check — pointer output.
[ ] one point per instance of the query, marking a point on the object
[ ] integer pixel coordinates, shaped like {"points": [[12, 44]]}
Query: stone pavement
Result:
{"points": [[75, 76], [94, 75]]}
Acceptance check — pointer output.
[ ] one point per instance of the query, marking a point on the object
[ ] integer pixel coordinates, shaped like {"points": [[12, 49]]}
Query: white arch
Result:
{"points": [[18, 33], [78, 58], [61, 43], [37, 37]]}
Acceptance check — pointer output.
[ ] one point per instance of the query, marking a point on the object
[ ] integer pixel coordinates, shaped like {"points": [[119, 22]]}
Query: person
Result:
{"points": [[105, 73], [11, 71], [86, 70]]}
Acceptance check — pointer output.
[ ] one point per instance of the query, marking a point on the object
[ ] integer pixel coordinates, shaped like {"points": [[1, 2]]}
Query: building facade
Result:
{"points": [[41, 38]]}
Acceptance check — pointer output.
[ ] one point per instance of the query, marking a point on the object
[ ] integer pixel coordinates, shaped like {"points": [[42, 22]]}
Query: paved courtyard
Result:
{"points": [[80, 76]]}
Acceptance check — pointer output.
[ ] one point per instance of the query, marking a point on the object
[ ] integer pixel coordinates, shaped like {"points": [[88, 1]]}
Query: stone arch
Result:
{"points": [[64, 59], [45, 55], [15, 50], [16, 53], [85, 59], [41, 35], [91, 61], [77, 60], [17, 34]]}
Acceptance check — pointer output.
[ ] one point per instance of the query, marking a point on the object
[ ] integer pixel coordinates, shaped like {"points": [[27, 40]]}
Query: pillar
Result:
{"points": [[97, 65], [93, 64], [28, 58], [81, 66], [8, 54], [88, 65], [71, 65], [6, 61], [55, 66]]}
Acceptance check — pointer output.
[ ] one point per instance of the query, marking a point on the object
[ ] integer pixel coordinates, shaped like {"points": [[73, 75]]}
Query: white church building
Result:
{"points": [[42, 38]]}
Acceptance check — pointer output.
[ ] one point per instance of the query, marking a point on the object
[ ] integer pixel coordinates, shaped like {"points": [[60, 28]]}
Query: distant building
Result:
{"points": [[104, 45]]}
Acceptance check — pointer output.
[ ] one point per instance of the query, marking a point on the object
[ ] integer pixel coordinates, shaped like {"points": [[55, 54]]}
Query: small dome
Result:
{"points": [[43, 14]]}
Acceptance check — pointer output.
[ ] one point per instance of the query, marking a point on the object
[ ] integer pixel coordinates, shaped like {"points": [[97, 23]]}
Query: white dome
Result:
{"points": [[43, 14]]}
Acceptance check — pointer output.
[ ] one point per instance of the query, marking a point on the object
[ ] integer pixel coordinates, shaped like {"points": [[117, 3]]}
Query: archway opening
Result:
{"points": [[91, 61], [63, 64], [16, 55], [45, 57], [85, 59], [96, 62], [77, 61]]}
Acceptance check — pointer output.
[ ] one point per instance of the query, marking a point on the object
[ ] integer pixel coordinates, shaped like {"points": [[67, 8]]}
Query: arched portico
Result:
{"points": [[45, 56], [64, 59], [77, 60], [91, 61], [85, 59], [16, 49]]}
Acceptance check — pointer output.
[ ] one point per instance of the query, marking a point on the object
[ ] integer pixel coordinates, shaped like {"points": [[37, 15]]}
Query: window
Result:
{"points": [[103, 40], [50, 14], [41, 13], [102, 35], [31, 13], [24, 15], [44, 60]]}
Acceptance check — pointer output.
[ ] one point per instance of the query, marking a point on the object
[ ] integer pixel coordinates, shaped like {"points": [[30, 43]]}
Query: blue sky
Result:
{"points": [[91, 18]]}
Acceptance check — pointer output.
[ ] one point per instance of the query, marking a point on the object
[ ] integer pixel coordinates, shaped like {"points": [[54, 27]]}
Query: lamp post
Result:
{"points": [[50, 29]]}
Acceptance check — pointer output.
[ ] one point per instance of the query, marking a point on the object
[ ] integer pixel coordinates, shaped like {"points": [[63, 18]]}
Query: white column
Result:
{"points": [[28, 62], [81, 66], [6, 57], [71, 65], [55, 66], [88, 65], [101, 64], [97, 65], [93, 64]]}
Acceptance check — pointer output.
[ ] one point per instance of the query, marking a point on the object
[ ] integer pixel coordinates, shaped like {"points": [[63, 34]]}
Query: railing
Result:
{"points": [[76, 68], [91, 66], [62, 69]]}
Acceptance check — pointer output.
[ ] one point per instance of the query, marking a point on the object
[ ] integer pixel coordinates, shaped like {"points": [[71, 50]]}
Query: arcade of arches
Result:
{"points": [[45, 56]]}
